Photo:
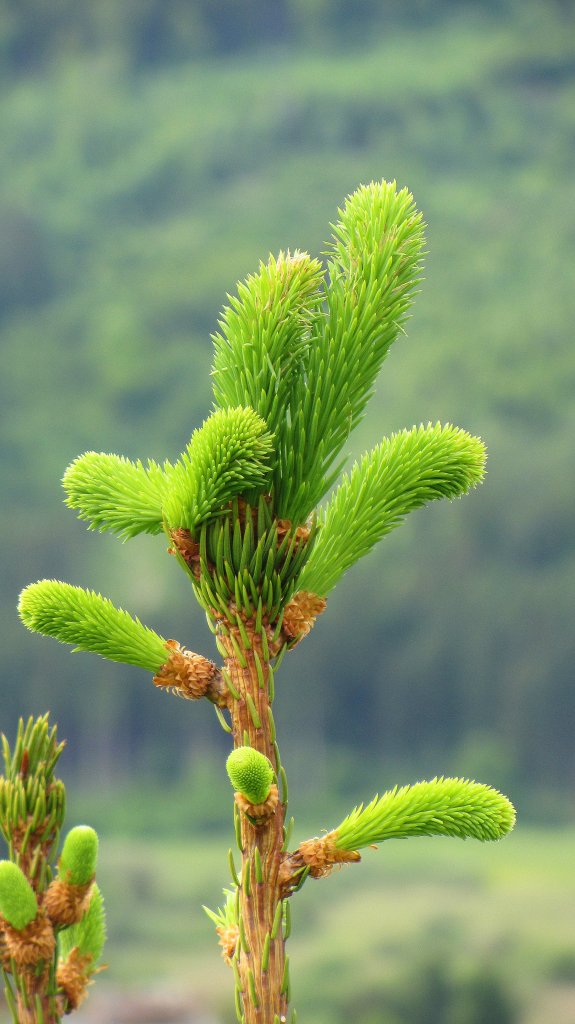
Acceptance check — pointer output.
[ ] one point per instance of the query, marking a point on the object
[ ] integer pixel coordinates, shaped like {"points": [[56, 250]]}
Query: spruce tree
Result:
{"points": [[52, 928], [249, 518]]}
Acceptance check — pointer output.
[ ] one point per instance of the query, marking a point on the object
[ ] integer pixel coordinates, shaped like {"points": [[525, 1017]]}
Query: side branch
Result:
{"points": [[441, 807]]}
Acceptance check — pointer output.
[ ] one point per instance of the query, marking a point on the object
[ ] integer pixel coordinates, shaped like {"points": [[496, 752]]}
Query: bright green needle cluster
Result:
{"points": [[442, 807], [373, 273], [404, 472], [229, 455], [17, 899], [265, 332], [77, 864], [304, 351], [251, 773], [89, 935], [90, 622], [295, 363], [115, 494]]}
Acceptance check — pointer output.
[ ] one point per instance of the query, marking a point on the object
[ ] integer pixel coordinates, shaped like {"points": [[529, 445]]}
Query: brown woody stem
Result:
{"points": [[261, 960]]}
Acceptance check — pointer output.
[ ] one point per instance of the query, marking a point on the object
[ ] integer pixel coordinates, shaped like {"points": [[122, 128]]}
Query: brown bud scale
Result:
{"points": [[185, 673], [321, 855], [188, 548], [301, 533], [73, 977], [300, 614], [65, 903], [31, 944], [259, 812], [228, 941], [4, 955]]}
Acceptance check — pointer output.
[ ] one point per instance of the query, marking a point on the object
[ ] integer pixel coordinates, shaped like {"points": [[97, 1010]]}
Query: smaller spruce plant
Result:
{"points": [[296, 359], [52, 927]]}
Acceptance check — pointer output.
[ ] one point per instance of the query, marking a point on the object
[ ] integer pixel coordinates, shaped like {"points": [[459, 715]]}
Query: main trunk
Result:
{"points": [[36, 1006], [261, 961]]}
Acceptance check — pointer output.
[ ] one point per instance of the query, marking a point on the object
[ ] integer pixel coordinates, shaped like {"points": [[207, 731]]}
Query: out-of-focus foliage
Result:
{"points": [[151, 33], [141, 181]]}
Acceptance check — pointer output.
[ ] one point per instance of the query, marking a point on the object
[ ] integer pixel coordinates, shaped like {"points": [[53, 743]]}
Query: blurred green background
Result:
{"points": [[152, 151]]}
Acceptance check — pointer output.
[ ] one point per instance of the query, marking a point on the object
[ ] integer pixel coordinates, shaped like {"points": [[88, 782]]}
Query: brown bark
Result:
{"points": [[261, 990], [28, 1011]]}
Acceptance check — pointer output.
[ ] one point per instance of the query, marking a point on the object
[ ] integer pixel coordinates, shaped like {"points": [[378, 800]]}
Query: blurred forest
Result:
{"points": [[151, 153]]}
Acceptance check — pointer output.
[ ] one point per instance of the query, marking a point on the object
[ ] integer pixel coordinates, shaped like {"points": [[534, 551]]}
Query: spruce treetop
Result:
{"points": [[295, 362], [248, 517]]}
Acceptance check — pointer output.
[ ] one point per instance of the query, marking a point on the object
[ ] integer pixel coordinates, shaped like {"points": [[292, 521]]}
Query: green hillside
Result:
{"points": [[135, 195]]}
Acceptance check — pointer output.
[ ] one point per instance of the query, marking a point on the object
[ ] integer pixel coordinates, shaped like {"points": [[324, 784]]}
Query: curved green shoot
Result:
{"points": [[115, 494], [373, 274], [91, 623], [229, 455], [404, 472], [442, 807], [265, 332]]}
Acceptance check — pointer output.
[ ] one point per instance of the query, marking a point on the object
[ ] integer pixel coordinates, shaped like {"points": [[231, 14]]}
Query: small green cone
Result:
{"points": [[17, 900], [251, 773], [77, 864]]}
